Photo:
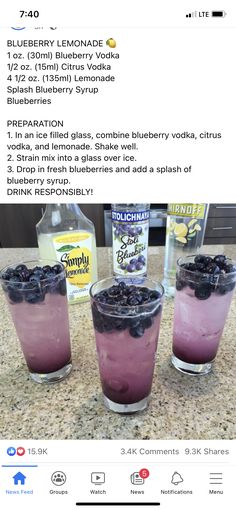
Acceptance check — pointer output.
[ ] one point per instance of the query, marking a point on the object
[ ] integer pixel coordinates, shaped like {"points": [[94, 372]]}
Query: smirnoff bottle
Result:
{"points": [[185, 231]]}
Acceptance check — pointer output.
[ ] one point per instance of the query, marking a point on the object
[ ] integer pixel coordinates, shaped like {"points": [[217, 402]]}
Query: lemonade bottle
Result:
{"points": [[185, 230], [66, 234]]}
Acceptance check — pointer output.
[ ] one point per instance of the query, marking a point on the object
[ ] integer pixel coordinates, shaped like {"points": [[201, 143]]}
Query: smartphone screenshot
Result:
{"points": [[117, 255]]}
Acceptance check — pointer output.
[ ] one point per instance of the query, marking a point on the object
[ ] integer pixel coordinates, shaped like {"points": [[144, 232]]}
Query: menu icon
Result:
{"points": [[216, 478]]}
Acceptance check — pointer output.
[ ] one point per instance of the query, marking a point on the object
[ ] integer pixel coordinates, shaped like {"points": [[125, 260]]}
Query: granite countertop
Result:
{"points": [[182, 407]]}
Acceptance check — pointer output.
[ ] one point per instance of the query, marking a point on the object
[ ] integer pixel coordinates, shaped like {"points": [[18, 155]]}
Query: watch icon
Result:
{"points": [[97, 478]]}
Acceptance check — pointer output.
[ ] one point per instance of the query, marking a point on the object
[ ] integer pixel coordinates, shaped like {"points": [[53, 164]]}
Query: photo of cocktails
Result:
{"points": [[114, 352]]}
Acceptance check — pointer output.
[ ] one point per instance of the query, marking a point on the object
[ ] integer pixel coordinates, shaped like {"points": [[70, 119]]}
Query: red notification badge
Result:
{"points": [[144, 473]]}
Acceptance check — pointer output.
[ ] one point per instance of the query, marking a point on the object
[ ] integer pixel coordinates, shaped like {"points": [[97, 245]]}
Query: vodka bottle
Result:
{"points": [[130, 229], [184, 236]]}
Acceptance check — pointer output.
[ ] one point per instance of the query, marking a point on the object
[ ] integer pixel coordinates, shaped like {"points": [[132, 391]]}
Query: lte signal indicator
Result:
{"points": [[191, 14]]}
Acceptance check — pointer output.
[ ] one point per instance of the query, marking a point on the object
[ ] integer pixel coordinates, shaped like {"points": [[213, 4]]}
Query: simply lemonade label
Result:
{"points": [[75, 252], [130, 242]]}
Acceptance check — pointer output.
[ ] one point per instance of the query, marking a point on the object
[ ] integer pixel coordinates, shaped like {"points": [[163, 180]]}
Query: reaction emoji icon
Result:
{"points": [[111, 42]]}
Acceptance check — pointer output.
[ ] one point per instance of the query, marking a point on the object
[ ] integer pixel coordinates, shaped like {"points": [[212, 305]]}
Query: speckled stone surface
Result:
{"points": [[181, 407]]}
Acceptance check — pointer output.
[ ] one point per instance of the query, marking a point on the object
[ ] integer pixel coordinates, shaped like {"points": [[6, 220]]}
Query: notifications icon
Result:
{"points": [[176, 478]]}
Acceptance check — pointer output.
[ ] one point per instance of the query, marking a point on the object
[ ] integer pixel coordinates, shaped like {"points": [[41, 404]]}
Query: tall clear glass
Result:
{"points": [[202, 303], [126, 339], [39, 312]]}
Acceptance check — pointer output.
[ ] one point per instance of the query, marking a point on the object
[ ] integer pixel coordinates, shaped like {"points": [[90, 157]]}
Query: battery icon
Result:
{"points": [[218, 14]]}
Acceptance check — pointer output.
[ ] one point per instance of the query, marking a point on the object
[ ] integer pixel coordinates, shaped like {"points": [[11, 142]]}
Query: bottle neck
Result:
{"points": [[63, 215], [63, 208]]}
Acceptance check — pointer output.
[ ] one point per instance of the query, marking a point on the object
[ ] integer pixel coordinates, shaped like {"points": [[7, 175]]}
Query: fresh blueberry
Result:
{"points": [[10, 272], [15, 297], [20, 268], [212, 269], [154, 294], [147, 322], [180, 284], [123, 301], [192, 266], [200, 259], [137, 332], [35, 278], [220, 260], [62, 287], [37, 268], [99, 327], [134, 299], [14, 283], [15, 279], [208, 260], [101, 297], [122, 286], [200, 266], [231, 286], [203, 291], [120, 324], [46, 268], [129, 290], [114, 291], [25, 274], [34, 297], [133, 322], [108, 326], [5, 276], [57, 268], [222, 289], [145, 296], [230, 268]]}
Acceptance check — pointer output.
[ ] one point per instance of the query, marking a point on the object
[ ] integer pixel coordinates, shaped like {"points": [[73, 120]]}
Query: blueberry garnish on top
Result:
{"points": [[32, 284], [126, 314], [208, 274]]}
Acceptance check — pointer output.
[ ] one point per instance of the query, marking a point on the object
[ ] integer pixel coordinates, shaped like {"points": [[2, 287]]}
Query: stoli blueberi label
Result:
{"points": [[130, 242], [130, 217]]}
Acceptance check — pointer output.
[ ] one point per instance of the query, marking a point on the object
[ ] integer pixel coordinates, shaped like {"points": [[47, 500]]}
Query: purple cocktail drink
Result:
{"points": [[126, 322], [204, 290], [36, 295]]}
